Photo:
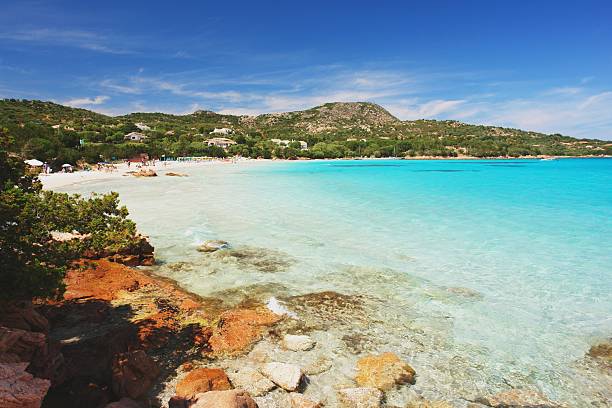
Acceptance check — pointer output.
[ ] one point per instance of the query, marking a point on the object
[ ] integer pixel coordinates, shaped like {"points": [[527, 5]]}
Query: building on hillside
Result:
{"points": [[135, 137], [222, 131], [285, 143], [142, 126], [280, 142], [222, 142]]}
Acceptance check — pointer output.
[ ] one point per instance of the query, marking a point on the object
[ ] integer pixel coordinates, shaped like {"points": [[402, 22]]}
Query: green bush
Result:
{"points": [[32, 265]]}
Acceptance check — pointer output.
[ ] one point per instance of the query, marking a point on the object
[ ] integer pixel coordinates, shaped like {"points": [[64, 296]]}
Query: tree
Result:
{"points": [[32, 264]]}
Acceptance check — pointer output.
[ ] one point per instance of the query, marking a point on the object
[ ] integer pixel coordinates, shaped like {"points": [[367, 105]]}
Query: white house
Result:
{"points": [[280, 142], [222, 131], [220, 142], [142, 126], [135, 137]]}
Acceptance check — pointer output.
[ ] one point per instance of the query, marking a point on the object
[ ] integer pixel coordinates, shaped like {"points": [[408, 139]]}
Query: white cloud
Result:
{"points": [[564, 90], [68, 38], [573, 110], [79, 102]]}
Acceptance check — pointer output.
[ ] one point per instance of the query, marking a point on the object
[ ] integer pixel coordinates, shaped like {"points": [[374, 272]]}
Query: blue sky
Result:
{"points": [[538, 65]]}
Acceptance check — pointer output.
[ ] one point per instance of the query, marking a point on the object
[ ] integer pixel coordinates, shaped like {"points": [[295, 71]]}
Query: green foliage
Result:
{"points": [[31, 263]]}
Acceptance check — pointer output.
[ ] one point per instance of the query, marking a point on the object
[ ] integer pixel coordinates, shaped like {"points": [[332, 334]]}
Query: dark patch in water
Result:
{"points": [[445, 171], [505, 165], [358, 342], [261, 259], [250, 296], [365, 165], [326, 309]]}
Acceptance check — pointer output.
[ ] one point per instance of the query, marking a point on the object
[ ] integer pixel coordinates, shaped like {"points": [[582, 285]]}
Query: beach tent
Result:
{"points": [[33, 162], [66, 165]]}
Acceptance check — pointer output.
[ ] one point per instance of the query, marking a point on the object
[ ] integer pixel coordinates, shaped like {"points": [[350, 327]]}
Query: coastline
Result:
{"points": [[58, 180]]}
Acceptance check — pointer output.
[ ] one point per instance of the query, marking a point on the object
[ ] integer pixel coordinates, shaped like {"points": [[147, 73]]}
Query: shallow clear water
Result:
{"points": [[483, 274]]}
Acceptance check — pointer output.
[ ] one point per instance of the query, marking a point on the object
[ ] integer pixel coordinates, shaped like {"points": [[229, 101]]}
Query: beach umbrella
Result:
{"points": [[33, 162], [66, 165]]}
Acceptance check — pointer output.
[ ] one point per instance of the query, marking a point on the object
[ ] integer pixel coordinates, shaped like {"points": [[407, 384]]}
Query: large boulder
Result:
{"points": [[252, 381], [286, 376], [134, 374], [22, 315], [138, 251], [224, 399], [362, 397], [145, 173], [518, 398], [202, 380], [19, 389], [422, 403], [124, 403], [383, 371], [238, 329], [44, 356], [297, 400], [297, 343], [18, 345]]}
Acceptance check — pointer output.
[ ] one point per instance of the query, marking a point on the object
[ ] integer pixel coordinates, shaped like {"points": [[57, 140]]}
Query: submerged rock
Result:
{"points": [[252, 381], [360, 397], [518, 398], [383, 371], [249, 296], [260, 259], [202, 380], [324, 309], [286, 376], [19, 389], [466, 293], [602, 352], [224, 399], [172, 174], [297, 343], [213, 245]]}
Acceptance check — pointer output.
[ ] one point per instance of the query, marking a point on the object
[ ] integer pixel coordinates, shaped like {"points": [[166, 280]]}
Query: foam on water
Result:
{"points": [[483, 274]]}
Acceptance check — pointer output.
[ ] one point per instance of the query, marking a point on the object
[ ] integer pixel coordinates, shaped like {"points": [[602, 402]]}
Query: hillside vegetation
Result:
{"points": [[60, 134]]}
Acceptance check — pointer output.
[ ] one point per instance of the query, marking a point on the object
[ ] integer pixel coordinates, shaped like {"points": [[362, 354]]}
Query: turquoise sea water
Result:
{"points": [[485, 275]]}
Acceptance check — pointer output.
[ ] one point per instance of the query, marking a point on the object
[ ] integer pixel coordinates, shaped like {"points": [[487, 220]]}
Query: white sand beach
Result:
{"points": [[57, 180]]}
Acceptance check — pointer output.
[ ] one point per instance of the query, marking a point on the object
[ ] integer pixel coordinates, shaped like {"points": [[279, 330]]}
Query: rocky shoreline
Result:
{"points": [[123, 338]]}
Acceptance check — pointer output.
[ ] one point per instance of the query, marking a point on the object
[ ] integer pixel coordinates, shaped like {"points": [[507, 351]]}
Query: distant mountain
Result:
{"points": [[336, 129]]}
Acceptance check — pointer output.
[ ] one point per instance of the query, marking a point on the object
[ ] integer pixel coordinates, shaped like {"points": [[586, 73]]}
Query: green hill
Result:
{"points": [[56, 133]]}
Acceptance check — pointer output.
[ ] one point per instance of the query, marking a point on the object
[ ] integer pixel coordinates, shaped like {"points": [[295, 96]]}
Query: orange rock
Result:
{"points": [[383, 371], [225, 399], [240, 328], [133, 374], [189, 304], [202, 380], [102, 279]]}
